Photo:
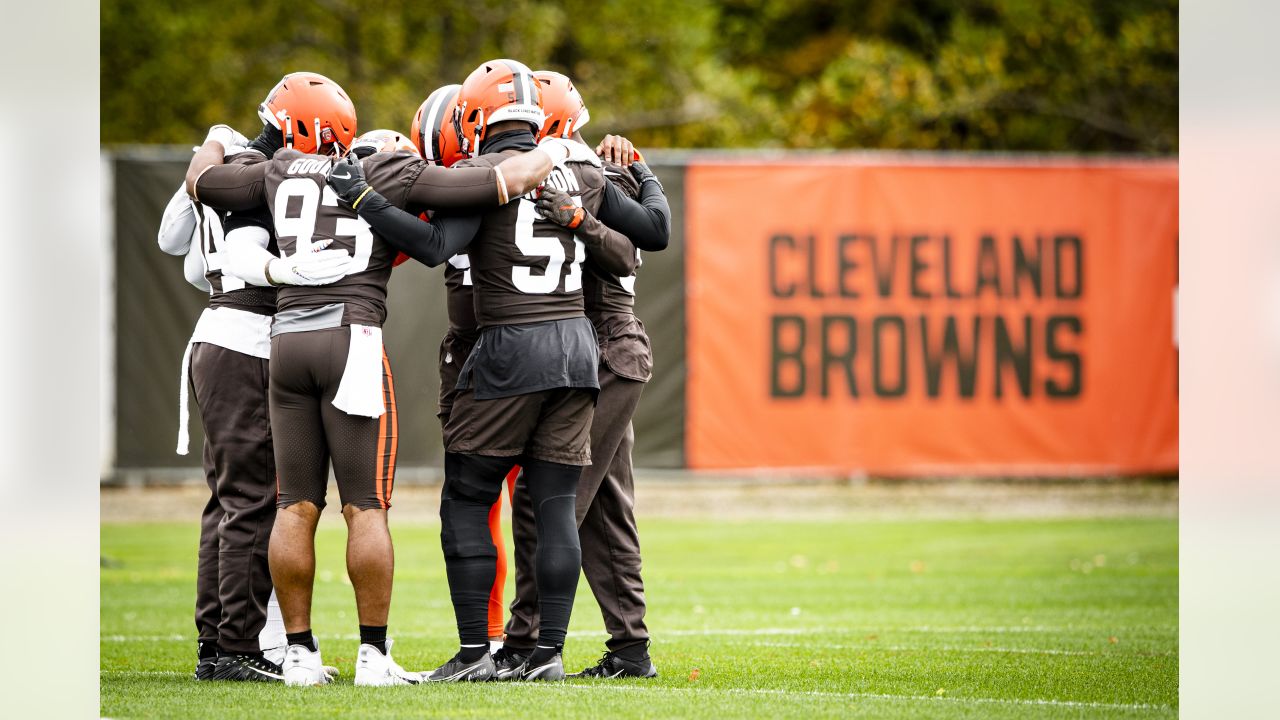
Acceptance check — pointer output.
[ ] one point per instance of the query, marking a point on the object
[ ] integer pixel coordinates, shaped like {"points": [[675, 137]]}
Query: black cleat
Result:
{"points": [[551, 669], [507, 662], [204, 668], [612, 666], [458, 671], [247, 668], [206, 660]]}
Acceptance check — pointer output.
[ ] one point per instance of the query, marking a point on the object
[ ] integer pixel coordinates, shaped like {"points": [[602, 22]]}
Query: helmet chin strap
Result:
{"points": [[480, 130], [288, 131]]}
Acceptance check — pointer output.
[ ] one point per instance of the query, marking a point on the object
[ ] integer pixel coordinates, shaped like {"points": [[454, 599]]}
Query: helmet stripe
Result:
{"points": [[432, 119]]}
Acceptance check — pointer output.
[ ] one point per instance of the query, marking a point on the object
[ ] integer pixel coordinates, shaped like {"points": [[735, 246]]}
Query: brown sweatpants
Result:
{"points": [[233, 581], [606, 527]]}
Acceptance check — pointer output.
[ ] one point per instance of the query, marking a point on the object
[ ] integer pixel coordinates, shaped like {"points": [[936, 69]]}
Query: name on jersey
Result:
{"points": [[309, 166], [560, 179]]}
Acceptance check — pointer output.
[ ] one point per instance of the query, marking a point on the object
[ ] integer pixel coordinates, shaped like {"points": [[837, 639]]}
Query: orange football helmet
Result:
{"points": [[381, 141], [497, 91], [433, 131], [563, 105], [312, 111]]}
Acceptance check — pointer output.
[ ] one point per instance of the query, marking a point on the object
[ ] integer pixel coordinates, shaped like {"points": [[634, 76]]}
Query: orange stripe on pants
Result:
{"points": [[394, 423], [496, 606]]}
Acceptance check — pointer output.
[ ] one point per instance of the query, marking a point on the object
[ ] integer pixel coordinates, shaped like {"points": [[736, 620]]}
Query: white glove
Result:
{"points": [[227, 136], [559, 149], [318, 267]]}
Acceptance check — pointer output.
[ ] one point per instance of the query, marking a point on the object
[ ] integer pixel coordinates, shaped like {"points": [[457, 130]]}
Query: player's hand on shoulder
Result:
{"points": [[226, 136], [556, 206], [346, 177], [617, 150], [319, 266]]}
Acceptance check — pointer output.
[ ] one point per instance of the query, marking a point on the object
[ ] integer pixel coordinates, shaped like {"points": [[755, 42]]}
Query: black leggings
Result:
{"points": [[472, 483]]}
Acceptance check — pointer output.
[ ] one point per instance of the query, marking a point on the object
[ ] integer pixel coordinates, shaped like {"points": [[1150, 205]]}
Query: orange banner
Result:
{"points": [[984, 318]]}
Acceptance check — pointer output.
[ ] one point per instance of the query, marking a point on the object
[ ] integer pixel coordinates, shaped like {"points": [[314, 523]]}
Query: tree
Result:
{"points": [[1036, 75]]}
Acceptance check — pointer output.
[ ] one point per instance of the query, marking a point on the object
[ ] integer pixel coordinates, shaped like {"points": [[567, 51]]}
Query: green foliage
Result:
{"points": [[1038, 75]]}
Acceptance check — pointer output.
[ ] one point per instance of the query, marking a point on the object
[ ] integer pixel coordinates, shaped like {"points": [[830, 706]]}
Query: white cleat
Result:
{"points": [[303, 667], [373, 669]]}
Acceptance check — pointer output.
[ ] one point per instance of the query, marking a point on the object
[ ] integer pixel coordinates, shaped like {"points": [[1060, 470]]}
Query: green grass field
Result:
{"points": [[905, 618]]}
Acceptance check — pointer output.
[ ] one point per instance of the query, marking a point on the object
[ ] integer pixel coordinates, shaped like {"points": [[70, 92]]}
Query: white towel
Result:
{"points": [[184, 415], [360, 391], [238, 330]]}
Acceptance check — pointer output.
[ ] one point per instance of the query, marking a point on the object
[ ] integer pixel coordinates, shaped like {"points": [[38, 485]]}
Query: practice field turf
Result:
{"points": [[905, 618]]}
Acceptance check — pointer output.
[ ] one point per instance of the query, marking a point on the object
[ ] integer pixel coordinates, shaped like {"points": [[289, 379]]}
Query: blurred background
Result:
{"points": [[1027, 75], [1033, 149]]}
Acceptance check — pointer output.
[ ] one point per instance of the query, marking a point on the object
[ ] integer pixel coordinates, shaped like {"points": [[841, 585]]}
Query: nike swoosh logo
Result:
{"points": [[540, 670], [264, 673], [335, 174]]}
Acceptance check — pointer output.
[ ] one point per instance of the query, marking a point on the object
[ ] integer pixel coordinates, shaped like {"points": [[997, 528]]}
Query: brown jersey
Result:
{"points": [[227, 290], [305, 211], [405, 180], [603, 291], [459, 298], [526, 269]]}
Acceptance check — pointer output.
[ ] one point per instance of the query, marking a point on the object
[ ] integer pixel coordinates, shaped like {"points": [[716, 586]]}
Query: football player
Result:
{"points": [[239, 632], [606, 523], [332, 393], [435, 136], [527, 388]]}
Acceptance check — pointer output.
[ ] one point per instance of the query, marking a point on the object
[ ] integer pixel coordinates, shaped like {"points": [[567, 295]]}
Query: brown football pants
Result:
{"points": [[233, 581], [606, 527], [306, 370]]}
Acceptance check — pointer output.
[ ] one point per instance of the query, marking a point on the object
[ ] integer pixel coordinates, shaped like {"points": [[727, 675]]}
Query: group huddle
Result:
{"points": [[295, 234]]}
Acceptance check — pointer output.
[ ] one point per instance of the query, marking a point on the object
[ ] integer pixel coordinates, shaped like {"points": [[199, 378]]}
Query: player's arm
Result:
{"points": [[234, 186], [465, 186], [429, 243], [609, 248], [249, 258], [178, 224], [221, 142], [193, 267], [646, 222]]}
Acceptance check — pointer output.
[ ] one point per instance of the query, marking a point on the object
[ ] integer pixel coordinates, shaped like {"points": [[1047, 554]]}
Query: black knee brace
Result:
{"points": [[552, 490]]}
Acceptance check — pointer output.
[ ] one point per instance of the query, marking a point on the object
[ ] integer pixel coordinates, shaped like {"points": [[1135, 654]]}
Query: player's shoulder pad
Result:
{"points": [[622, 179]]}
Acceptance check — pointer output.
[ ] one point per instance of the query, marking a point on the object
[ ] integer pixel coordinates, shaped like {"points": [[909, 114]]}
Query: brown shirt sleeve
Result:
{"points": [[468, 185], [234, 186], [610, 249]]}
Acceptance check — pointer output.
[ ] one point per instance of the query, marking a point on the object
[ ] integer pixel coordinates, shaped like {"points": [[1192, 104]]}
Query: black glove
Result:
{"points": [[556, 206], [642, 173], [346, 177], [268, 141]]}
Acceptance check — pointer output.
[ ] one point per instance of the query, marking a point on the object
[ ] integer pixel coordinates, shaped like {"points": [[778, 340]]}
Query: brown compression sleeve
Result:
{"points": [[611, 250], [233, 186], [462, 188]]}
